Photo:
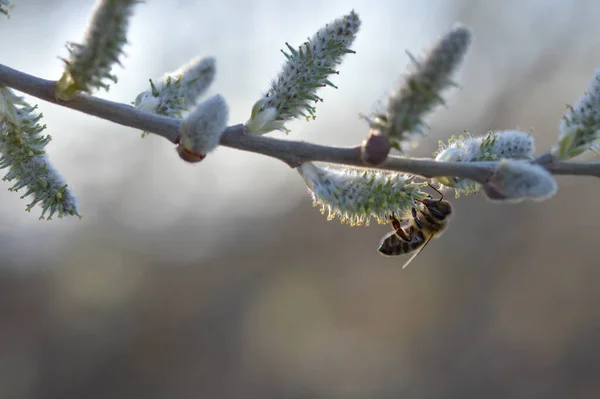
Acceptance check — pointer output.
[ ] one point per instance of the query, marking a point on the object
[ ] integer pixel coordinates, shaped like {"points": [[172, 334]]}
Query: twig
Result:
{"points": [[574, 168], [115, 112], [291, 152]]}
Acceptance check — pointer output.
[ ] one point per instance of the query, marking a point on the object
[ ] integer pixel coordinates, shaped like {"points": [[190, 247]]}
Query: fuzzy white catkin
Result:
{"points": [[307, 69], [5, 6], [511, 144], [8, 99], [421, 90], [90, 63], [517, 180], [196, 76], [22, 154], [202, 129], [356, 195], [177, 91], [579, 129], [505, 144]]}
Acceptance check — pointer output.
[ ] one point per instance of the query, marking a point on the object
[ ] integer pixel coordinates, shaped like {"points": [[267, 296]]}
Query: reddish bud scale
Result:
{"points": [[493, 191], [375, 149], [188, 155]]}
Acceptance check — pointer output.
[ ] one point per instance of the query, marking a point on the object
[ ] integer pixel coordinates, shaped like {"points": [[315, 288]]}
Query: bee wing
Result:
{"points": [[418, 251]]}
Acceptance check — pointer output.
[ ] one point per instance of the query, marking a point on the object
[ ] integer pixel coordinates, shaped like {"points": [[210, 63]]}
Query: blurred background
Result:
{"points": [[221, 280]]}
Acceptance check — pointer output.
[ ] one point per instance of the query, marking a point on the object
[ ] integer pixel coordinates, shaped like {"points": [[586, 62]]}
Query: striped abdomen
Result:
{"points": [[392, 244]]}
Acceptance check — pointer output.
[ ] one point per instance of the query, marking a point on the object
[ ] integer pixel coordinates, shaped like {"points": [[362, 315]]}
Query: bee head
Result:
{"points": [[442, 206], [437, 208]]}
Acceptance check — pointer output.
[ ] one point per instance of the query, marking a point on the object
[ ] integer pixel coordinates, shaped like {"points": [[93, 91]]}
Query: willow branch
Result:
{"points": [[291, 152]]}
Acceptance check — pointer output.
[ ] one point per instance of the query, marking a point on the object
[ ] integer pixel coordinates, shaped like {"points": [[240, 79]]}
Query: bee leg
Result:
{"points": [[400, 232], [395, 222], [414, 215], [410, 233]]}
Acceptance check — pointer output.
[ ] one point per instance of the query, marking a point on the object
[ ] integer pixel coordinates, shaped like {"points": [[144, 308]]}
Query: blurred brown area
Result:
{"points": [[288, 305]]}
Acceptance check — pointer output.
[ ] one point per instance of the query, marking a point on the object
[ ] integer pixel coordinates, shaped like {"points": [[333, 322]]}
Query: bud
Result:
{"points": [[202, 129], [515, 181], [375, 149]]}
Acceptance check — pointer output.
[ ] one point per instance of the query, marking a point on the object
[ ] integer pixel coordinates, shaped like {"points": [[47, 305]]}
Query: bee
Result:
{"points": [[427, 219]]}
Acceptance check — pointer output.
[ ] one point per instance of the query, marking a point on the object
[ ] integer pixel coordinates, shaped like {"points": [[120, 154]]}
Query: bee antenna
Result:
{"points": [[438, 191]]}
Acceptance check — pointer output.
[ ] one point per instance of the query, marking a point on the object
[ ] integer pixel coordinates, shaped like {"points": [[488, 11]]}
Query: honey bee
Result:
{"points": [[428, 218]]}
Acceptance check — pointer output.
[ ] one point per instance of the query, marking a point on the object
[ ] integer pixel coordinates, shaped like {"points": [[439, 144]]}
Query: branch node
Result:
{"points": [[375, 149], [546, 159]]}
